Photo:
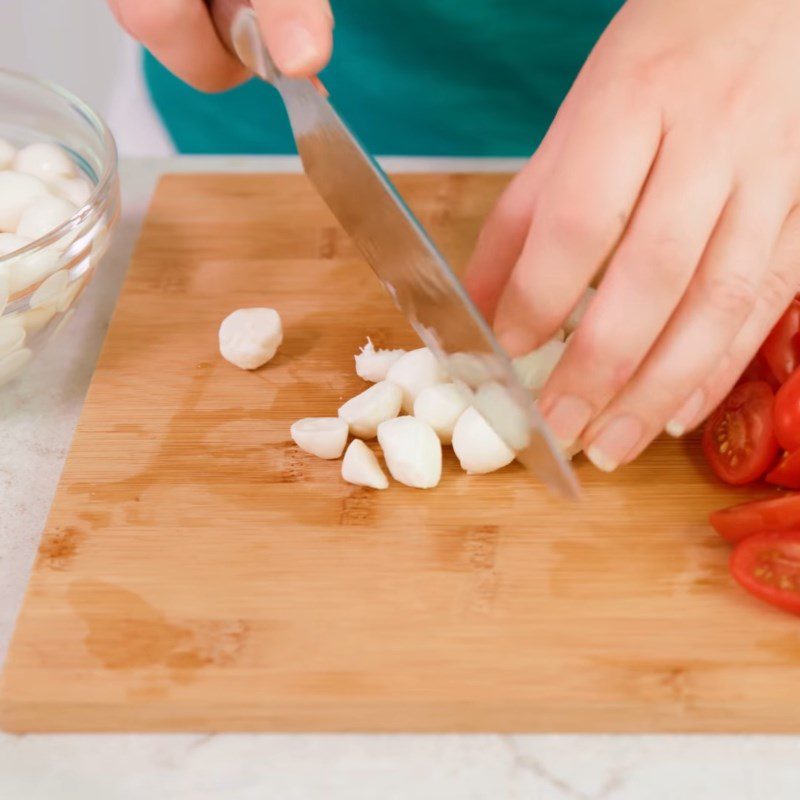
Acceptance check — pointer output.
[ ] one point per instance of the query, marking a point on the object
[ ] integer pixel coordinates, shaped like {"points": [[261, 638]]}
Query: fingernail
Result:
{"points": [[686, 415], [514, 342], [567, 418], [294, 49], [614, 442]]}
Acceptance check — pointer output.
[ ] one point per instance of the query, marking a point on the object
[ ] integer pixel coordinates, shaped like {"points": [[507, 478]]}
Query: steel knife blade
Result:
{"points": [[402, 255]]}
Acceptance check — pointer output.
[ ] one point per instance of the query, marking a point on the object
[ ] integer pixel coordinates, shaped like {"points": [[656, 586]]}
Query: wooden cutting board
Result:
{"points": [[198, 572]]}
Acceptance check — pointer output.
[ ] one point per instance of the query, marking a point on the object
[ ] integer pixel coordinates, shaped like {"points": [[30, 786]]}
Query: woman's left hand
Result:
{"points": [[674, 162]]}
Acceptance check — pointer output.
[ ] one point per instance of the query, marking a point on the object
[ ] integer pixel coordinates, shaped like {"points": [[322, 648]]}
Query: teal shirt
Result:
{"points": [[412, 77]]}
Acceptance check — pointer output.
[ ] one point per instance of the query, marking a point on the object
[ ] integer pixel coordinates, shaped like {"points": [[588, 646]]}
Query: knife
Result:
{"points": [[419, 280]]}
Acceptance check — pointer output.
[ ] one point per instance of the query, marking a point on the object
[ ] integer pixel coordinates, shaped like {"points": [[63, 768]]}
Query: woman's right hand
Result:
{"points": [[181, 35]]}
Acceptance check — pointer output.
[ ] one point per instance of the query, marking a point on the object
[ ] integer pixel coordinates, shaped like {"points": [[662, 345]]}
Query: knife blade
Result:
{"points": [[394, 243]]}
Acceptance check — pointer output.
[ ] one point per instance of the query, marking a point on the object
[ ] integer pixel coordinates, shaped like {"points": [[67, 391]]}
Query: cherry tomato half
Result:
{"points": [[758, 370], [786, 472], [780, 348], [743, 520], [738, 440], [786, 415], [768, 566]]}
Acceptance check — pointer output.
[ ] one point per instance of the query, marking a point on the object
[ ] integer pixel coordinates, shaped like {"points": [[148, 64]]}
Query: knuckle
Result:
{"points": [[570, 227], [661, 259], [778, 289], [731, 295], [613, 366]]}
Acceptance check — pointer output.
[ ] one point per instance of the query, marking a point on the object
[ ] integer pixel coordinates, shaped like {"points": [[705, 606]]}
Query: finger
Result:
{"points": [[504, 231], [785, 280], [582, 208], [500, 240], [181, 35], [732, 274], [298, 34], [645, 281]]}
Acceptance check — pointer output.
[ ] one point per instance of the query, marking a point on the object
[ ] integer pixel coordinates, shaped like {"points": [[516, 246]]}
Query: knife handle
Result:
{"points": [[237, 26]]}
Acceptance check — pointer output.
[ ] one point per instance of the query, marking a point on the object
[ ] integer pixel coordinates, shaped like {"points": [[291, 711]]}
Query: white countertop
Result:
{"points": [[37, 418]]}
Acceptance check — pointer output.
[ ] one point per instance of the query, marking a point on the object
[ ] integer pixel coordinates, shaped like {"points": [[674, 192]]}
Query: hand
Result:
{"points": [[674, 162], [180, 34]]}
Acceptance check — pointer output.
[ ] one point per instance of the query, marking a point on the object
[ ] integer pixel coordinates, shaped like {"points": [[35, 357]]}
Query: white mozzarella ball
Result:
{"points": [[50, 289], [574, 319], [412, 451], [36, 319], [324, 437], [534, 368], [373, 365], [10, 242], [440, 406], [76, 190], [7, 153], [364, 412], [45, 160], [67, 297], [249, 337], [361, 467], [478, 448], [44, 215], [413, 372], [28, 270], [17, 192]]}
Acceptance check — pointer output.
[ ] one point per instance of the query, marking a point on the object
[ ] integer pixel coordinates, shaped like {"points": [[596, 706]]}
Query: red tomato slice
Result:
{"points": [[786, 414], [786, 472], [743, 520], [780, 348], [768, 566], [738, 440]]}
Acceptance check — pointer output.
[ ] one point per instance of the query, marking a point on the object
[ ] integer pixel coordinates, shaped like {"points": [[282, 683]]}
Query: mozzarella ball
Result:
{"points": [[50, 289], [440, 406], [45, 161], [412, 451], [373, 365], [17, 192], [36, 319], [76, 190], [10, 242], [413, 372], [249, 337], [324, 437], [44, 215], [28, 270], [7, 153], [534, 368], [361, 468], [364, 412], [478, 448]]}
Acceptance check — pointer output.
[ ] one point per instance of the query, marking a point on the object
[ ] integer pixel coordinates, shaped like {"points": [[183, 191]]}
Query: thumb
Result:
{"points": [[298, 34]]}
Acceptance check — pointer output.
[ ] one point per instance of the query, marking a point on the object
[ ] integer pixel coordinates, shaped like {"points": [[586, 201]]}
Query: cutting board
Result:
{"points": [[198, 572]]}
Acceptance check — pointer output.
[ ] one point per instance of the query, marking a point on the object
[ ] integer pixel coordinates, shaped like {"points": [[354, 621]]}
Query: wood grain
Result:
{"points": [[200, 573]]}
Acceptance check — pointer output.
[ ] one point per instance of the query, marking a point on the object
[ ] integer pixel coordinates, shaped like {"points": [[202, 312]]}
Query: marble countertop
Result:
{"points": [[37, 418]]}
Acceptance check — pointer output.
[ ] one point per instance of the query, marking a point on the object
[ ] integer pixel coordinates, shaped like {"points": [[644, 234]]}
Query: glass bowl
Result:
{"points": [[41, 282]]}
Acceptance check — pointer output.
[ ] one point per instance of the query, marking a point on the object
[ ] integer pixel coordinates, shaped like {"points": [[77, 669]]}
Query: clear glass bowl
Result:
{"points": [[45, 279]]}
